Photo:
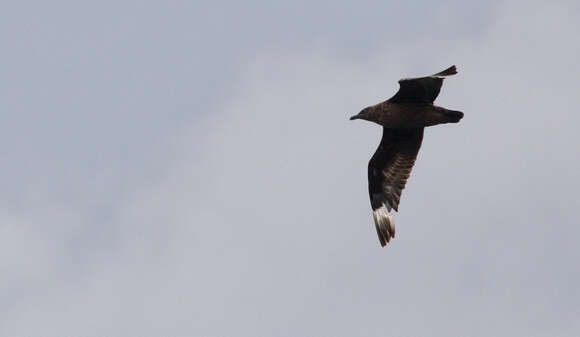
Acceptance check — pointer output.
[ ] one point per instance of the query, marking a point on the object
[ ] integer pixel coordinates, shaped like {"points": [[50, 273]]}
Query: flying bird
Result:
{"points": [[403, 117]]}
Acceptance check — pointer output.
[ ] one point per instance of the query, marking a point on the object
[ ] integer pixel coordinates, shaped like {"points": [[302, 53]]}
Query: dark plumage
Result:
{"points": [[403, 117]]}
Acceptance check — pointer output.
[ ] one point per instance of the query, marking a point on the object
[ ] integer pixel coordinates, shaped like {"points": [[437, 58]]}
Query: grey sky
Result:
{"points": [[188, 169]]}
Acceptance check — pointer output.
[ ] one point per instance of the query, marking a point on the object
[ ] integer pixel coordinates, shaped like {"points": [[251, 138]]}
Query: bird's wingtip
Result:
{"points": [[385, 225], [447, 72]]}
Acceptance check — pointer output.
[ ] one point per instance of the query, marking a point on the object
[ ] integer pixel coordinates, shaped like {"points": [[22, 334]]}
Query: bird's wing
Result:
{"points": [[421, 89], [388, 171]]}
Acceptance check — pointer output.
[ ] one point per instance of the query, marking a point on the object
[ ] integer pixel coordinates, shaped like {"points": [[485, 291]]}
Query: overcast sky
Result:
{"points": [[178, 168]]}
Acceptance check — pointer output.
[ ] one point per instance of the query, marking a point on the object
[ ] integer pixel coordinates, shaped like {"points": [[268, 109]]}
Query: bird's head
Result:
{"points": [[366, 114]]}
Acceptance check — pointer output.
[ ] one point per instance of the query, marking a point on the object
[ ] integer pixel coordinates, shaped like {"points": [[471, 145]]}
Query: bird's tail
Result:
{"points": [[385, 224], [453, 116], [439, 115]]}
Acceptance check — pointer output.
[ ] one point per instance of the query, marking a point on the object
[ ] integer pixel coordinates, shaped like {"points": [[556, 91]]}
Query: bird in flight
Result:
{"points": [[403, 117]]}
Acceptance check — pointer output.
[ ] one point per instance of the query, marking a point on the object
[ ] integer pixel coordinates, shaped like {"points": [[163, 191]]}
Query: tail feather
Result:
{"points": [[385, 224], [453, 116]]}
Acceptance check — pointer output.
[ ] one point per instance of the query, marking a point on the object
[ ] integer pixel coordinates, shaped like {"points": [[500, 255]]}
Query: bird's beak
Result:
{"points": [[355, 117]]}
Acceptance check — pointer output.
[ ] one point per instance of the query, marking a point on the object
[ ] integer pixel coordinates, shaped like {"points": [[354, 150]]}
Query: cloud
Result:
{"points": [[252, 217]]}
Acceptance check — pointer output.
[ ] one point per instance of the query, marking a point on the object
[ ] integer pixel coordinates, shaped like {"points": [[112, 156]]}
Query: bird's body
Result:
{"points": [[411, 115], [403, 117]]}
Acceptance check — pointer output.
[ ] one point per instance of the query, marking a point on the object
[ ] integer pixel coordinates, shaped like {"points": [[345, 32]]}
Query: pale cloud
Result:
{"points": [[251, 217]]}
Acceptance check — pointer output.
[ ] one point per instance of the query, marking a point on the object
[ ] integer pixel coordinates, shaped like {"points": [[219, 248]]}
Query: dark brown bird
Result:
{"points": [[403, 117]]}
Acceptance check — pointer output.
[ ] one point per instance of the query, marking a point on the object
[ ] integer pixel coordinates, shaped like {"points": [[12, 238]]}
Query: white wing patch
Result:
{"points": [[385, 224]]}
